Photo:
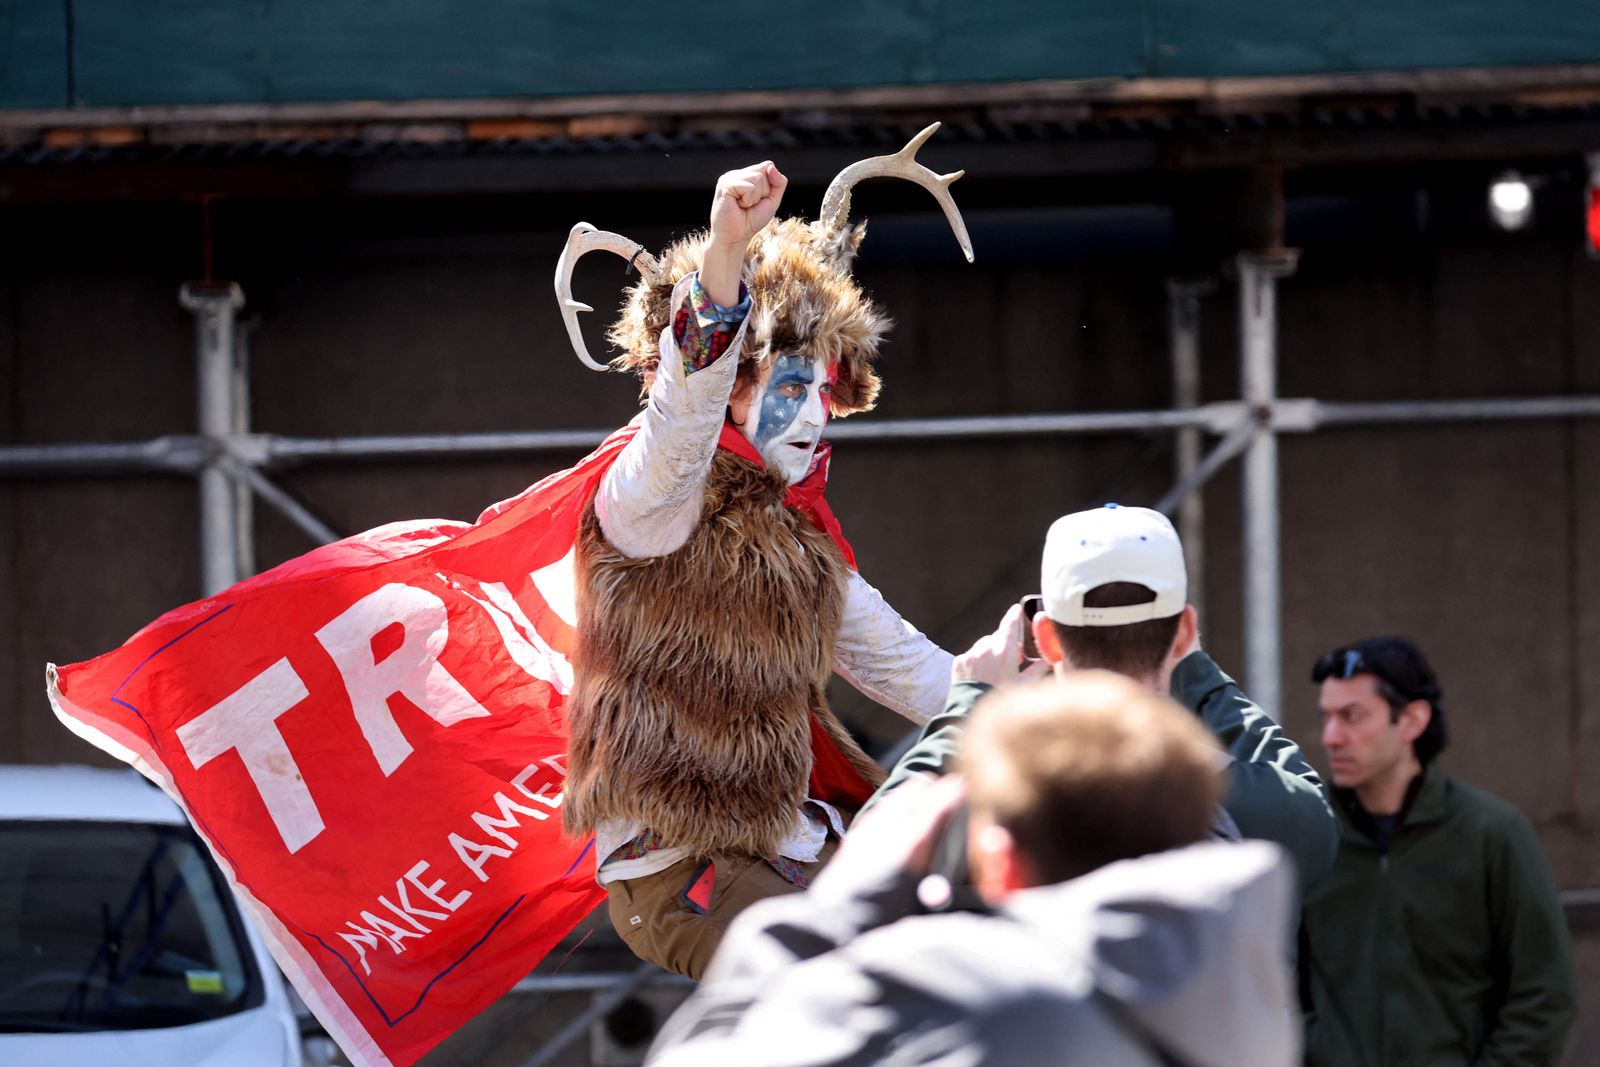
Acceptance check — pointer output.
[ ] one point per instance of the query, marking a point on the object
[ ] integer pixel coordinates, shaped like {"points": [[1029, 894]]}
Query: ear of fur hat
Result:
{"points": [[803, 299]]}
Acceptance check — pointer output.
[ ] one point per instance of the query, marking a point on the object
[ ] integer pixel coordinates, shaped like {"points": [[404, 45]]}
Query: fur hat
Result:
{"points": [[803, 299], [798, 273]]}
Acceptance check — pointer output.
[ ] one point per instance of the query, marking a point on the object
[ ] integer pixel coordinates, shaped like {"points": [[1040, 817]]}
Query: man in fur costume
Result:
{"points": [[715, 591]]}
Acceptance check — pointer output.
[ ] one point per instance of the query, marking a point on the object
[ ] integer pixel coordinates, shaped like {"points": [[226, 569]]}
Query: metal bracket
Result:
{"points": [[1294, 416]]}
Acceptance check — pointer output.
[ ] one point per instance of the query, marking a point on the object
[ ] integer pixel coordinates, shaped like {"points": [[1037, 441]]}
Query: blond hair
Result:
{"points": [[1087, 769]]}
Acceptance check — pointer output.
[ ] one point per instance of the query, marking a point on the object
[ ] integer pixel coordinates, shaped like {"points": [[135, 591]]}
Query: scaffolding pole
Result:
{"points": [[1258, 385], [602, 1006], [275, 449], [1235, 442], [1326, 414], [214, 308], [183, 453], [1183, 338], [244, 507]]}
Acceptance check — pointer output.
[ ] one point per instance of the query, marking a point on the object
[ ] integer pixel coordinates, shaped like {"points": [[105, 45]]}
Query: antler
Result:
{"points": [[903, 164], [583, 239]]}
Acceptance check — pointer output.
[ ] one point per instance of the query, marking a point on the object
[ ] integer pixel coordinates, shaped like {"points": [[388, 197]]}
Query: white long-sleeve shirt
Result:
{"points": [[648, 504]]}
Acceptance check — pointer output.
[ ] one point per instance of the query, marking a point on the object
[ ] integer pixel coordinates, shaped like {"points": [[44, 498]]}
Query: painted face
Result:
{"points": [[788, 410], [1362, 743]]}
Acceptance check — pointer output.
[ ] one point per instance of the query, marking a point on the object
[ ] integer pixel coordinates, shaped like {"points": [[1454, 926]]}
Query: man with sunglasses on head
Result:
{"points": [[1438, 937]]}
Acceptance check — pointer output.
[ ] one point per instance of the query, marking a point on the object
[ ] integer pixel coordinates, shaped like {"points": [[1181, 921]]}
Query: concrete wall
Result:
{"points": [[1479, 542]]}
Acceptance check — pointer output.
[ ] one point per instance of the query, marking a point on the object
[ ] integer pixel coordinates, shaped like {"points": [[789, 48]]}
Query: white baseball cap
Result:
{"points": [[1088, 549]]}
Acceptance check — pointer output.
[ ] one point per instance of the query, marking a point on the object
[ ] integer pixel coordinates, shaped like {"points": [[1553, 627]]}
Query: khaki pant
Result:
{"points": [[659, 927]]}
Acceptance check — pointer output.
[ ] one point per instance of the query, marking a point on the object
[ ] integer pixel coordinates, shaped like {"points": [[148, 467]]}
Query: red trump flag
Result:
{"points": [[370, 739]]}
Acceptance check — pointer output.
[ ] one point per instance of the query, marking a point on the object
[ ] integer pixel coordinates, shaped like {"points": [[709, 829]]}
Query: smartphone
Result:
{"points": [[1031, 606]]}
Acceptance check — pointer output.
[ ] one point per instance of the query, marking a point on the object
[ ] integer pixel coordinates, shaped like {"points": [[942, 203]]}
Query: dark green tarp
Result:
{"points": [[125, 52]]}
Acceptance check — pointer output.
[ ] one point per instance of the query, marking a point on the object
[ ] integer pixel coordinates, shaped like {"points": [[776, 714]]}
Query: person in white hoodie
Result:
{"points": [[1114, 932]]}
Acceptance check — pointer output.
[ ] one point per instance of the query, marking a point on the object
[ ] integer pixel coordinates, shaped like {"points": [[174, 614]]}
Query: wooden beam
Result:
{"points": [[1570, 83]]}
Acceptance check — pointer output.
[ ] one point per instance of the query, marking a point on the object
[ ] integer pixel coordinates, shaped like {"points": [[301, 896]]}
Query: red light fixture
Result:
{"points": [[1592, 214]]}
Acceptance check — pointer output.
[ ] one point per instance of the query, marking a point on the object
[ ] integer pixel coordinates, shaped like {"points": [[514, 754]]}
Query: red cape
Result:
{"points": [[370, 739]]}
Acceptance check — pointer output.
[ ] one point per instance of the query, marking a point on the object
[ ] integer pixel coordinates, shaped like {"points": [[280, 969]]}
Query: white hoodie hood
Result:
{"points": [[1190, 946]]}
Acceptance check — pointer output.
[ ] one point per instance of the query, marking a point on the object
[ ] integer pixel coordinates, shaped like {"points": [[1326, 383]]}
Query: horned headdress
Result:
{"points": [[798, 273]]}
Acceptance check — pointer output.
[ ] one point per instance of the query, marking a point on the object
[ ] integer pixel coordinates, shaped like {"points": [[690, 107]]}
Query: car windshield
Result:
{"points": [[116, 926]]}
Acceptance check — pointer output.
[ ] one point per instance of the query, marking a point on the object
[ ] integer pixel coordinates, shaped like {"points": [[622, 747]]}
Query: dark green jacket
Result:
{"points": [[1450, 948], [1273, 793]]}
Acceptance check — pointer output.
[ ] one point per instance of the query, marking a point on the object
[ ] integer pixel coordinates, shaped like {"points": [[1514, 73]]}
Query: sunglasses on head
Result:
{"points": [[1346, 663], [1343, 664]]}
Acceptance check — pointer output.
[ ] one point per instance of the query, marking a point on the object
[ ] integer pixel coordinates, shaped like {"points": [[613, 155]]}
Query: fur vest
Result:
{"points": [[699, 673]]}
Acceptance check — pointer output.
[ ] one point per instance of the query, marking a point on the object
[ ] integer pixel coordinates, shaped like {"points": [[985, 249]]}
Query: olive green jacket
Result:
{"points": [[1273, 793], [1449, 948]]}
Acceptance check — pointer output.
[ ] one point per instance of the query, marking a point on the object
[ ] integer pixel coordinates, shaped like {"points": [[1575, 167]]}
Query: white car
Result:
{"points": [[120, 942]]}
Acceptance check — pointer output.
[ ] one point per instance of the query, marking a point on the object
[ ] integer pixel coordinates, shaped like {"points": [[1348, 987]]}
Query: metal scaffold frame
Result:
{"points": [[231, 463]]}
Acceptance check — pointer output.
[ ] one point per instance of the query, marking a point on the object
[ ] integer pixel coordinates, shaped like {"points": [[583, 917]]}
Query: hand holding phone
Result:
{"points": [[1031, 606], [999, 658]]}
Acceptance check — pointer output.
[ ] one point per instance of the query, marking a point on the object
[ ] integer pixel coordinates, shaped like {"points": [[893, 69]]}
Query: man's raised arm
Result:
{"points": [[650, 499]]}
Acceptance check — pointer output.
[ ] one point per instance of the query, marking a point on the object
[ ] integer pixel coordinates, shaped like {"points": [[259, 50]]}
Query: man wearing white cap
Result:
{"points": [[1115, 597]]}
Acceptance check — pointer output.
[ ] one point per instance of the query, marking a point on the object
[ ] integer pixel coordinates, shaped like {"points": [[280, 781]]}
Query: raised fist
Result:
{"points": [[744, 202]]}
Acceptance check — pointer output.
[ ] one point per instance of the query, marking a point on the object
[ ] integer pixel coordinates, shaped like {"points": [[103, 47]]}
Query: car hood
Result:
{"points": [[253, 1038]]}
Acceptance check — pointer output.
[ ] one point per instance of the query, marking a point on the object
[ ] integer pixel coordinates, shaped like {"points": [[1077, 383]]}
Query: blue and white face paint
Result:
{"points": [[788, 411]]}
